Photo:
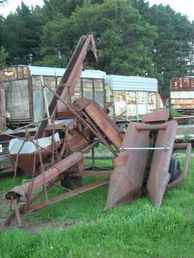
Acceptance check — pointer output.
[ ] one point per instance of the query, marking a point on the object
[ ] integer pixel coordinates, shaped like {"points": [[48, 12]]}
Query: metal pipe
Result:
{"points": [[45, 177]]}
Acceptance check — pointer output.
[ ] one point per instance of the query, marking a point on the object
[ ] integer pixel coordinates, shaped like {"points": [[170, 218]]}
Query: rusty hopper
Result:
{"points": [[159, 176], [130, 173]]}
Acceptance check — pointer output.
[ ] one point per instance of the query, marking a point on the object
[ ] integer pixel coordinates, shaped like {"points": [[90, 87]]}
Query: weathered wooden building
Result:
{"points": [[26, 96], [134, 96], [182, 94]]}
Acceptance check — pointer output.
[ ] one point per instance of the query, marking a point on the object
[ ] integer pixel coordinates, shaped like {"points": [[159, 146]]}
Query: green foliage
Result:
{"points": [[174, 113], [23, 30], [172, 47], [122, 37], [132, 37], [3, 57]]}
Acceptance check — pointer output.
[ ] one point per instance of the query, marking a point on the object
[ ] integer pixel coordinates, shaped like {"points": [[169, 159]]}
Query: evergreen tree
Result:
{"points": [[23, 35], [123, 38]]}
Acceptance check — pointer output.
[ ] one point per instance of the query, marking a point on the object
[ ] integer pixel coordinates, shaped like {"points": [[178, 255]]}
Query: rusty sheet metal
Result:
{"points": [[157, 116], [159, 177], [182, 84], [26, 162], [75, 141], [45, 177], [101, 119], [150, 127], [86, 122], [129, 168]]}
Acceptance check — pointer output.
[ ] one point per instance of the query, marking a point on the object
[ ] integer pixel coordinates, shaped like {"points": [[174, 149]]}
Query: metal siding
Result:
{"points": [[132, 83], [182, 94]]}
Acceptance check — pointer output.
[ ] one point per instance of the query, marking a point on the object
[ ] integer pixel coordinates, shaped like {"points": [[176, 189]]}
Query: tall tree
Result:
{"points": [[3, 57], [58, 8], [23, 37], [172, 47], [123, 38]]}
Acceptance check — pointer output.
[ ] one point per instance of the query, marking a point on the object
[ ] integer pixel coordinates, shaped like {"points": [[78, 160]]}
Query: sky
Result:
{"points": [[186, 7], [11, 5]]}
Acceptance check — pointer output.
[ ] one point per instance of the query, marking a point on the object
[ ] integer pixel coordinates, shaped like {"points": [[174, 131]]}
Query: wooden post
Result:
{"points": [[17, 213], [2, 107]]}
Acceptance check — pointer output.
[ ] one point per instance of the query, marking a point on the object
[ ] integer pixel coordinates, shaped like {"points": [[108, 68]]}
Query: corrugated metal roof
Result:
{"points": [[53, 71], [132, 83]]}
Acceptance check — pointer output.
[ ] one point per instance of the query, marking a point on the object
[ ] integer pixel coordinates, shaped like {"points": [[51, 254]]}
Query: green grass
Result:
{"points": [[133, 231]]}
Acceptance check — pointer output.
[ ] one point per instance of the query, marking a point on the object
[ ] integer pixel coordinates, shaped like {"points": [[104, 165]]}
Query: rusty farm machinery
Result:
{"points": [[143, 156]]}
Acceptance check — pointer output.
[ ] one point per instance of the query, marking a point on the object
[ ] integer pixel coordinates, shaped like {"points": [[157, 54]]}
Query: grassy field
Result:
{"points": [[80, 228]]}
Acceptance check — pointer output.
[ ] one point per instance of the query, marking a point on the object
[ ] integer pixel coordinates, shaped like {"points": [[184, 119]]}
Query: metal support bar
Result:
{"points": [[68, 195], [148, 127], [145, 148], [17, 213]]}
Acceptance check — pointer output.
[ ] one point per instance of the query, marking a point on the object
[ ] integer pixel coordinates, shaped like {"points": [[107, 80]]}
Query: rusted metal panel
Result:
{"points": [[45, 177], [75, 141], [99, 118], [182, 84], [159, 177], [157, 116], [129, 168], [104, 123], [150, 127]]}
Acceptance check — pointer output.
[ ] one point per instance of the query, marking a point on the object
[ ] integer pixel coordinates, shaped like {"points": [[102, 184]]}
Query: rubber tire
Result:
{"points": [[174, 169]]}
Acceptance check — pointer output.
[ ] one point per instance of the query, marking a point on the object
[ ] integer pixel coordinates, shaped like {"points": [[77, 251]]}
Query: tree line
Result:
{"points": [[132, 38]]}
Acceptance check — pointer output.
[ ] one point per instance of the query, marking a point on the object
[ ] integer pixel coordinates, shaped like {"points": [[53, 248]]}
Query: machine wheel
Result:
{"points": [[174, 169]]}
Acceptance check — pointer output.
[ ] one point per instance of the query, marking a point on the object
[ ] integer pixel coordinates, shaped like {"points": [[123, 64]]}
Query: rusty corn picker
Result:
{"points": [[143, 156]]}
